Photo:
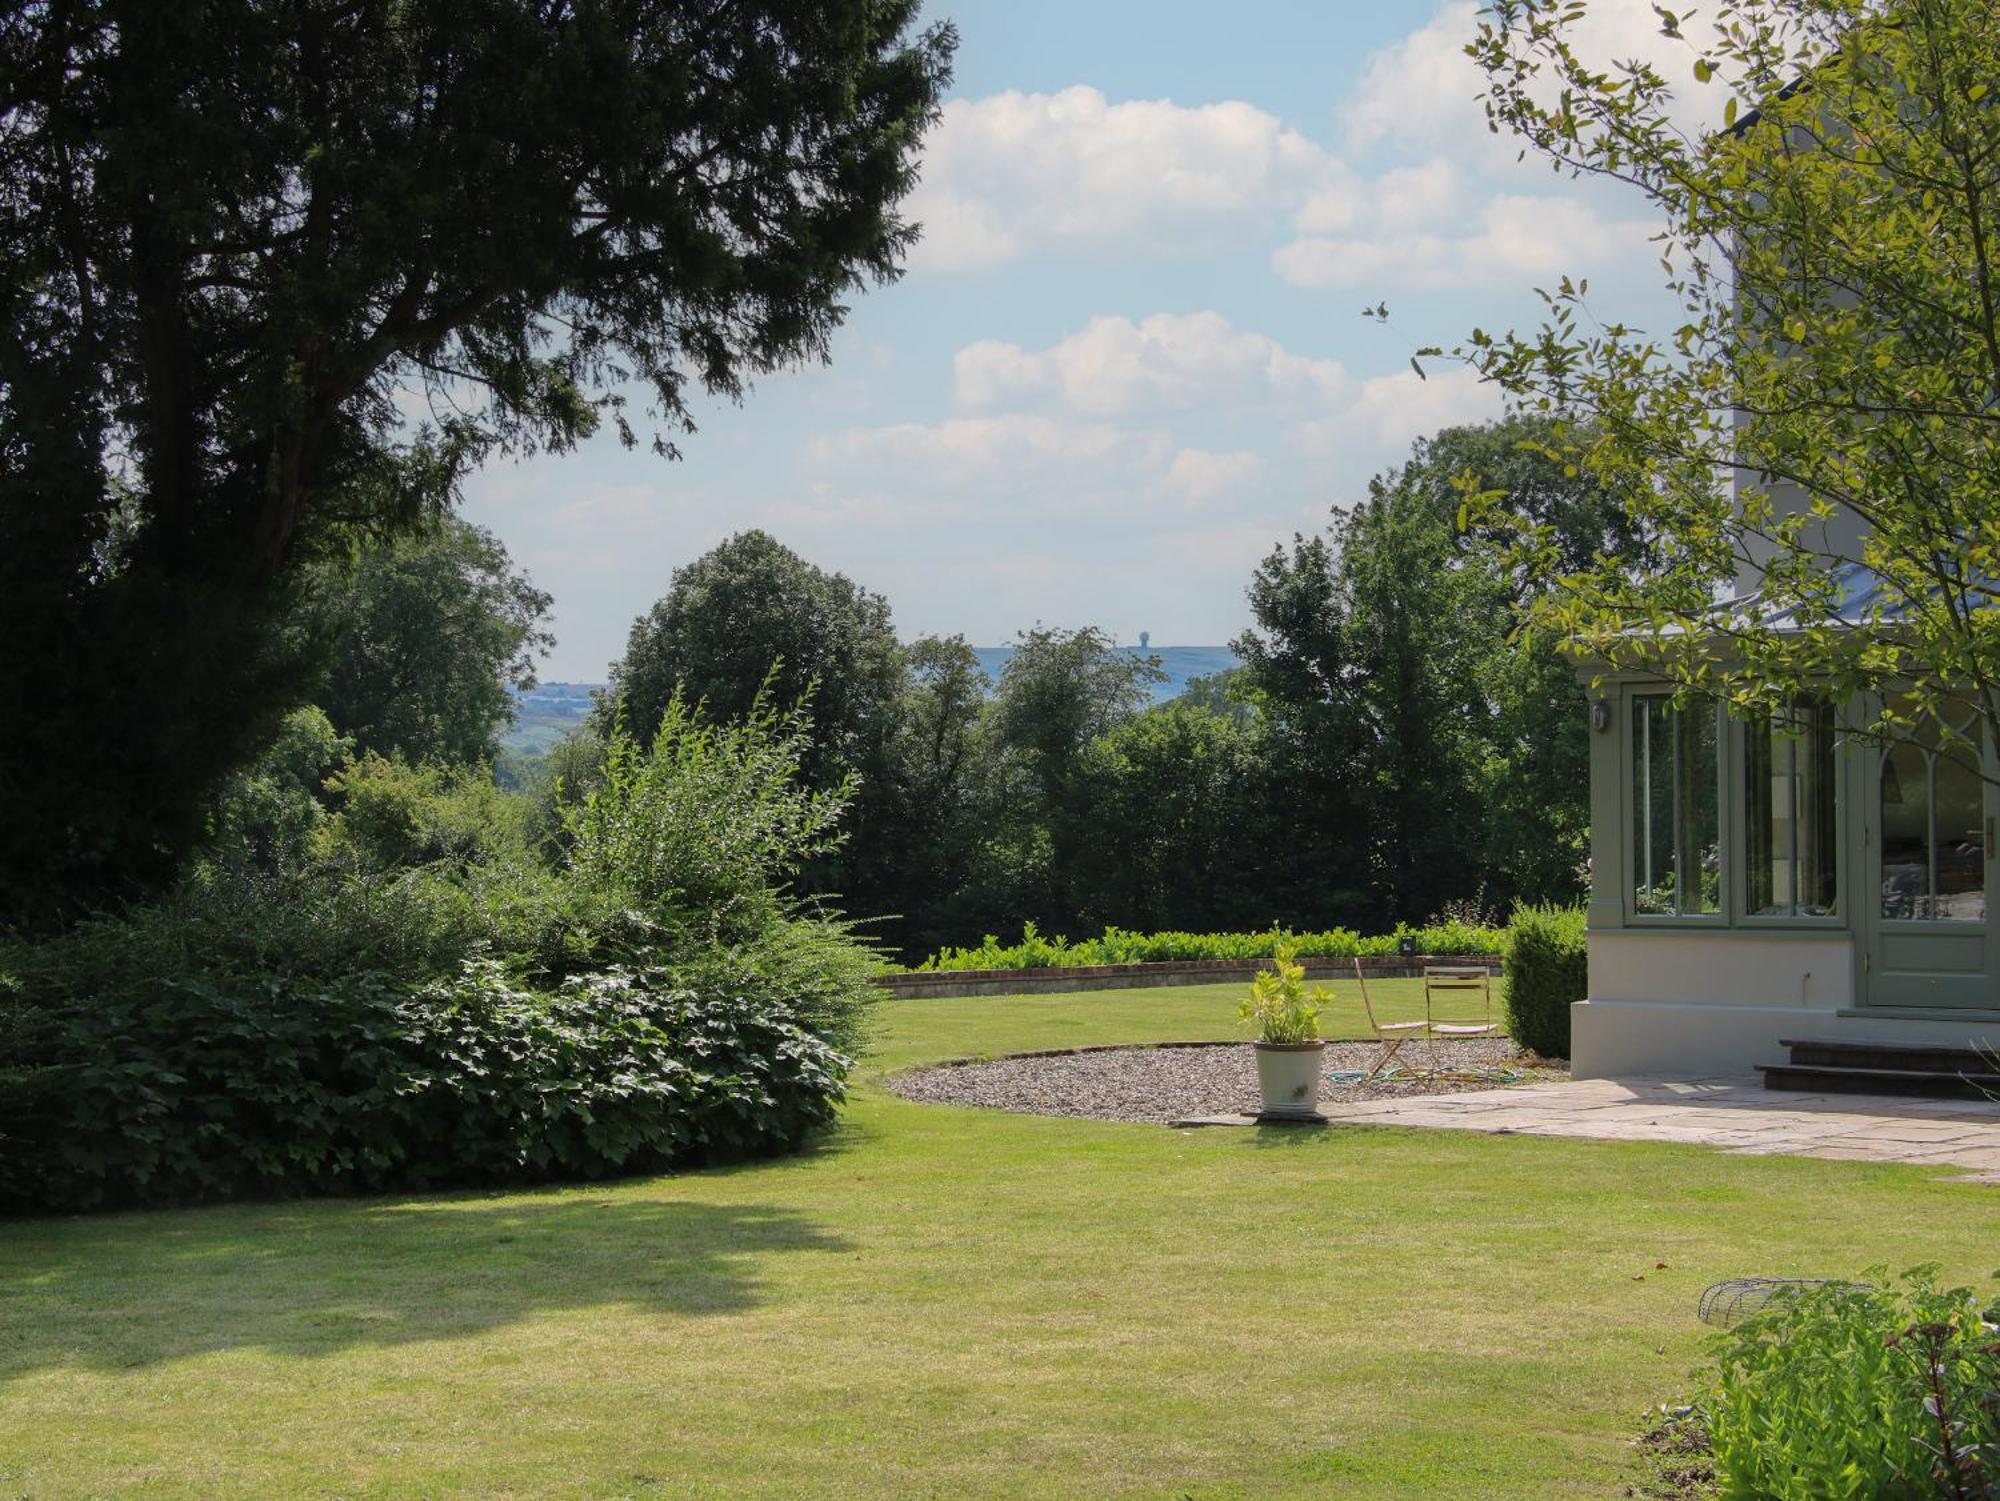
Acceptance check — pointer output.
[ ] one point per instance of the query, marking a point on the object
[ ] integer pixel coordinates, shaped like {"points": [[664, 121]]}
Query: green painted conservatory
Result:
{"points": [[1757, 881]]}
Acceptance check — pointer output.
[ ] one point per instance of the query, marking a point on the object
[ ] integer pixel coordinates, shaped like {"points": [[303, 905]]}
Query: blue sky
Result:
{"points": [[1129, 356]]}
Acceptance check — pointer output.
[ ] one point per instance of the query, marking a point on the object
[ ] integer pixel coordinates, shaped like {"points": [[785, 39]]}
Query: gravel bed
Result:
{"points": [[1168, 1083]]}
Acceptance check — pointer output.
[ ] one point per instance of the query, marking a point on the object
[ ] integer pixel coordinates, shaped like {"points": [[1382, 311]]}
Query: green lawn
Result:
{"points": [[938, 1302]]}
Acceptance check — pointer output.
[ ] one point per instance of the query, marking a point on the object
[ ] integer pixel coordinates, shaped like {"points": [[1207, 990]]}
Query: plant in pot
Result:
{"points": [[1288, 1044]]}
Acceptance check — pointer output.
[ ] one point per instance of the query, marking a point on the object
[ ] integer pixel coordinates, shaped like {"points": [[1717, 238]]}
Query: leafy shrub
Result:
{"points": [[1279, 1004], [708, 821], [1547, 969], [266, 815], [1852, 1390], [1118, 946], [188, 1090], [358, 1023], [235, 928], [807, 967], [394, 816]]}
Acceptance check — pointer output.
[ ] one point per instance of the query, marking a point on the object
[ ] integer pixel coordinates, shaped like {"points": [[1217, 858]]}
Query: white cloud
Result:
{"points": [[1013, 173], [1400, 198], [1038, 462], [1198, 478], [1511, 241], [1392, 411], [999, 452], [1422, 94], [824, 508], [1167, 361], [1228, 552]]}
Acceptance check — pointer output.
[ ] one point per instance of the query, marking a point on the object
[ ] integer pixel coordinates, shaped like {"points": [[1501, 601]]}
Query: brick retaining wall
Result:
{"points": [[1050, 978]]}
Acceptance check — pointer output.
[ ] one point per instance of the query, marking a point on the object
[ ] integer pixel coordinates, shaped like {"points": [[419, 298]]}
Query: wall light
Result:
{"points": [[1600, 714]]}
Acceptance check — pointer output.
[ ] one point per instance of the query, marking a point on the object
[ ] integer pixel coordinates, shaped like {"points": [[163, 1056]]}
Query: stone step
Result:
{"points": [[1873, 1053], [1930, 1084]]}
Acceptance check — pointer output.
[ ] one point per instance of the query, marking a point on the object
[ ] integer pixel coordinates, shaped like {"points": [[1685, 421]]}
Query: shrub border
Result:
{"points": [[1046, 979]]}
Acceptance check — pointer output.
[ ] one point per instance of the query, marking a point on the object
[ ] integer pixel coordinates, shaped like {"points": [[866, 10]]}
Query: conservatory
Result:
{"points": [[1756, 882]]}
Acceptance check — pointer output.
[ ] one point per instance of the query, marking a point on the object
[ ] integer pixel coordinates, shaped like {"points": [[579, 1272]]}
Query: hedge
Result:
{"points": [[1547, 970], [1120, 946], [196, 1091]]}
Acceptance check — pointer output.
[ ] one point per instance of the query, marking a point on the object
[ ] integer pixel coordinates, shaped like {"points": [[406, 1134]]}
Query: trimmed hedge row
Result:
{"points": [[1120, 946], [192, 1091], [1547, 969]]}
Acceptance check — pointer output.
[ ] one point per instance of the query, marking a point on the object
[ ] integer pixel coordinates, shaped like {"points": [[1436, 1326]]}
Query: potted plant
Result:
{"points": [[1289, 1047]]}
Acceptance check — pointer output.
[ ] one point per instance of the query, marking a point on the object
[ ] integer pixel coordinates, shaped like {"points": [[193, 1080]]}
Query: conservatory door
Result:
{"points": [[1925, 895]]}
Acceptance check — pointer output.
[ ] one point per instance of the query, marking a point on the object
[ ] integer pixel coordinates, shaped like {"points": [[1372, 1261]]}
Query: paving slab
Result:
{"points": [[1730, 1113]]}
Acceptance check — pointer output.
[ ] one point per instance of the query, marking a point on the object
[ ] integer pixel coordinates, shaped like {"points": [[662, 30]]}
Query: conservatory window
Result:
{"points": [[1933, 858], [1676, 822], [1789, 813]]}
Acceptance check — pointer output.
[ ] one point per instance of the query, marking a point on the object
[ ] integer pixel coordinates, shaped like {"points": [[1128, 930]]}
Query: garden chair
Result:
{"points": [[1443, 979], [1390, 1035]]}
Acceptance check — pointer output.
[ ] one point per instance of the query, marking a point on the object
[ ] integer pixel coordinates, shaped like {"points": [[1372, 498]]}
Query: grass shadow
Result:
{"points": [[1288, 1135], [316, 1278]]}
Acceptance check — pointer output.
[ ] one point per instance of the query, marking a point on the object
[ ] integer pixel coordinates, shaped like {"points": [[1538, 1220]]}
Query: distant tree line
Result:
{"points": [[1392, 746]]}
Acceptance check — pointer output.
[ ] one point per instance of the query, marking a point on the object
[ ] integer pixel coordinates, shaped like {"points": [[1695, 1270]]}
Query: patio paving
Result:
{"points": [[1730, 1113]]}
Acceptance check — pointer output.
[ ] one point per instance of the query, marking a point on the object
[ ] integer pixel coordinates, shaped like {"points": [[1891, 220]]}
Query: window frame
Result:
{"points": [[1737, 845], [1726, 817]]}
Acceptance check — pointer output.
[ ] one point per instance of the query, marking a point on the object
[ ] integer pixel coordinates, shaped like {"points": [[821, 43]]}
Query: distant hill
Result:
{"points": [[546, 713], [550, 711]]}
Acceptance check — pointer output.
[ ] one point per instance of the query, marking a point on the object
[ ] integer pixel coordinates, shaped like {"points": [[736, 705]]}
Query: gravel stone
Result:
{"points": [[1177, 1080]]}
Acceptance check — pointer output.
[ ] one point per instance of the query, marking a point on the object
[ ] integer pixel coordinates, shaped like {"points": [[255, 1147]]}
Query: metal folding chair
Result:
{"points": [[1390, 1035], [1447, 979]]}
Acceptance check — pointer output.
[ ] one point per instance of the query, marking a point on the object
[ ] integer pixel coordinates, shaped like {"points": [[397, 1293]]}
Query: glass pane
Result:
{"points": [[1815, 811], [1788, 798], [1700, 872], [1767, 827], [1906, 831], [1652, 805], [1959, 837], [1676, 845]]}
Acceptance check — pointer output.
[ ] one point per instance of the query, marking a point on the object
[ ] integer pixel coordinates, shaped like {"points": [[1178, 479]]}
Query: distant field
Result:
{"points": [[545, 714], [552, 710]]}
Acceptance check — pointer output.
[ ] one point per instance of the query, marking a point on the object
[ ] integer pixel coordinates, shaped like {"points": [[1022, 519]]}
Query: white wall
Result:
{"points": [[1722, 969], [1698, 1004], [1695, 1003]]}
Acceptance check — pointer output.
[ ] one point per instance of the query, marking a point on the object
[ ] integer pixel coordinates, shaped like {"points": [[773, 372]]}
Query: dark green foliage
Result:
{"points": [[1425, 628], [702, 826], [557, 784], [807, 967], [927, 875], [751, 622], [268, 813], [1430, 751], [1859, 1390], [1547, 970], [190, 1090], [393, 816], [1314, 740], [428, 633], [1226, 693], [414, 998], [1059, 692], [1164, 799], [233, 245]]}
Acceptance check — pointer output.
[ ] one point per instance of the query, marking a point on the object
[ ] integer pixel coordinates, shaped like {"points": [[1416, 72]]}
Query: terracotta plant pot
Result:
{"points": [[1288, 1076]]}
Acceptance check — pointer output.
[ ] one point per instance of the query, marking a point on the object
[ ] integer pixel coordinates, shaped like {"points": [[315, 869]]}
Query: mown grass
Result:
{"points": [[975, 1026], [938, 1302]]}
